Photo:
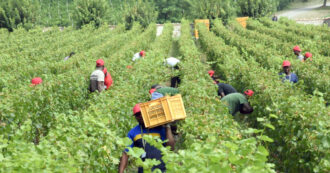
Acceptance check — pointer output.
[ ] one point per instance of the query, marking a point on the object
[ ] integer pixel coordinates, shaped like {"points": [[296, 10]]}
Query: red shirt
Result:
{"points": [[108, 80]]}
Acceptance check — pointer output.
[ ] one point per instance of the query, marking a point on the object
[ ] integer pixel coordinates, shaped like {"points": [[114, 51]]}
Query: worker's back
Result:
{"points": [[96, 76], [234, 101]]}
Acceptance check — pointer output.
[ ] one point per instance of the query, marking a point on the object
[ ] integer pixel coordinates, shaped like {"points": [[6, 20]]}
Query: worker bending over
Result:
{"points": [[174, 64], [238, 102], [136, 135], [139, 55], [97, 77], [158, 91]]}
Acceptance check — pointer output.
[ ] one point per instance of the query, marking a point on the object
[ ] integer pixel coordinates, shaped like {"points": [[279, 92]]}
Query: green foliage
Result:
{"points": [[256, 8], [15, 13], [142, 11], [171, 10], [56, 13], [283, 3], [212, 9], [292, 118], [90, 11], [81, 12]]}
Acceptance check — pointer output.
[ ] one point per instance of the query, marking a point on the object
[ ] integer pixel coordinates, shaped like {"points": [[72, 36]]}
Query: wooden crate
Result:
{"points": [[162, 111]]}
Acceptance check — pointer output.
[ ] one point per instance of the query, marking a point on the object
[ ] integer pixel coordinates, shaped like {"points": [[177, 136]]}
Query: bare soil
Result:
{"points": [[308, 13]]}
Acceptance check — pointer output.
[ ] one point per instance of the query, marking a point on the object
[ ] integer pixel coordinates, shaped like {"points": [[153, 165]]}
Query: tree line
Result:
{"points": [[30, 13]]}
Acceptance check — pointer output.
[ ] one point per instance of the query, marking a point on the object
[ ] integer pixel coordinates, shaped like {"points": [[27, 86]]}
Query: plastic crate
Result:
{"points": [[204, 21], [242, 21], [162, 111]]}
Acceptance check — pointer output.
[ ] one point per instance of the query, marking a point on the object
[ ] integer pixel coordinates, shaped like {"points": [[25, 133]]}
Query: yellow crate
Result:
{"points": [[162, 111], [242, 21], [205, 21]]}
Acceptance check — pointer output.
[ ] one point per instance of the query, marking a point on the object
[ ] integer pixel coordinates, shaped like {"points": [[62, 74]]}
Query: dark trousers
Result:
{"points": [[175, 81]]}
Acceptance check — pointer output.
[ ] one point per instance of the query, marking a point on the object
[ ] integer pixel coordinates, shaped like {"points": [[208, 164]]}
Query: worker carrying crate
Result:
{"points": [[150, 152]]}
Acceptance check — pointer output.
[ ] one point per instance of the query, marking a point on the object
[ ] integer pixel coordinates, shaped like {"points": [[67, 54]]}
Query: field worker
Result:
{"points": [[297, 52], [238, 102], [71, 54], [225, 89], [36, 81], [107, 79], [139, 55], [307, 55], [287, 71], [136, 134], [158, 91], [97, 77], [174, 64], [274, 18], [211, 73]]}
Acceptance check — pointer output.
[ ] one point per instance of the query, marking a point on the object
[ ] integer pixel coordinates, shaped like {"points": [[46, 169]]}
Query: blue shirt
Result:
{"points": [[156, 95], [292, 77], [151, 152]]}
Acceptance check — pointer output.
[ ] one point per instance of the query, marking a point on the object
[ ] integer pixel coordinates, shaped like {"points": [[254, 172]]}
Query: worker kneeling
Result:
{"points": [[136, 135], [97, 77], [238, 102]]}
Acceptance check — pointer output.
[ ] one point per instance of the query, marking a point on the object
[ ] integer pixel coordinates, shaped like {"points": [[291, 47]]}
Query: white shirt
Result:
{"points": [[136, 56], [300, 57], [66, 58], [171, 61], [97, 75]]}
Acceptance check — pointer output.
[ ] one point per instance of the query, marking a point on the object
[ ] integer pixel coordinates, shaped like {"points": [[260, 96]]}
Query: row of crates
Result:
{"points": [[241, 20]]}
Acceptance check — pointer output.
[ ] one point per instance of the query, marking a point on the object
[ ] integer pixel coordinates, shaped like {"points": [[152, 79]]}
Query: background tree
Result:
{"points": [[90, 11], [170, 10], [256, 8], [211, 9], [142, 11], [14, 13]]}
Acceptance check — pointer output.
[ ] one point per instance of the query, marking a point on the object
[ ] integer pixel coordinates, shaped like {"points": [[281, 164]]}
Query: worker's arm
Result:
{"points": [[123, 162], [169, 137], [100, 86], [246, 108], [222, 94]]}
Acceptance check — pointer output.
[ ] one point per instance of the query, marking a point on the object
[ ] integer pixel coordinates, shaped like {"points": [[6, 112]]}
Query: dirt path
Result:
{"points": [[176, 30], [308, 14]]}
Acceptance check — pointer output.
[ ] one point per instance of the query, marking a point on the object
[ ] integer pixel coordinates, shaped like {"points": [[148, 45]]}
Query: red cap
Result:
{"points": [[308, 55], [105, 70], [129, 66], [36, 81], [142, 53], [136, 109], [211, 72], [297, 48], [286, 63], [152, 90], [249, 92], [99, 63]]}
